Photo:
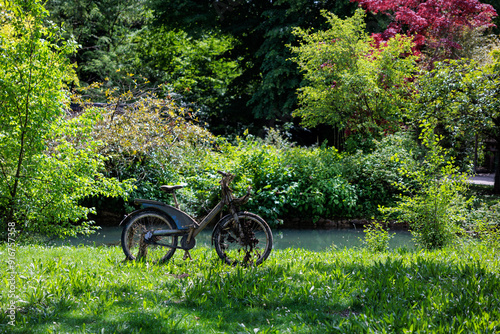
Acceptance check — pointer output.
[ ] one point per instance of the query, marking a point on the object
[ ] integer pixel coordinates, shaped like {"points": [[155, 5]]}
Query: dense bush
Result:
{"points": [[288, 182], [377, 174], [148, 138], [296, 182], [437, 208]]}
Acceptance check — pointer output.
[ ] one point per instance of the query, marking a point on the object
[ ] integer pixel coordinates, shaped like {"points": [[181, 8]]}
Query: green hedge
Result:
{"points": [[161, 147], [287, 181]]}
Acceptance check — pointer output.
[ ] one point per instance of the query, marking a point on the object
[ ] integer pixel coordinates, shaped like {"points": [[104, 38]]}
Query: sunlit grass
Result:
{"points": [[91, 290]]}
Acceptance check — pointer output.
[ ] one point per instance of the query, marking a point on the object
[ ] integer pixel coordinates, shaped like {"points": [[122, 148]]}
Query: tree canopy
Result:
{"points": [[464, 98], [265, 88], [437, 26], [48, 162], [353, 83], [103, 31]]}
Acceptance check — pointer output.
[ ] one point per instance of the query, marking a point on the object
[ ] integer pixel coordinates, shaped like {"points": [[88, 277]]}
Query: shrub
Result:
{"points": [[376, 175], [287, 181], [437, 208], [376, 238], [295, 182], [147, 138]]}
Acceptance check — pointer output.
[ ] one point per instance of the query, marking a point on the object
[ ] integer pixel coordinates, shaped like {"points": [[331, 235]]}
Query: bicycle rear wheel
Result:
{"points": [[133, 239], [246, 242]]}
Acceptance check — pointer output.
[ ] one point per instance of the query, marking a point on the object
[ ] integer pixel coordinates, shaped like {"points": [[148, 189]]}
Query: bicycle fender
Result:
{"points": [[127, 217], [181, 220]]}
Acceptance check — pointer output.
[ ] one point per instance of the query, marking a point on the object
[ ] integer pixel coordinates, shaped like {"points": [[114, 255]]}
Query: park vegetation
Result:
{"points": [[131, 131], [103, 102]]}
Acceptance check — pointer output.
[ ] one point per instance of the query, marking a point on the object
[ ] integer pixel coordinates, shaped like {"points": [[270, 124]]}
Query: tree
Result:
{"points": [[496, 20], [48, 162], [265, 89], [464, 97], [116, 39], [197, 68], [437, 207], [352, 83], [104, 31], [437, 26]]}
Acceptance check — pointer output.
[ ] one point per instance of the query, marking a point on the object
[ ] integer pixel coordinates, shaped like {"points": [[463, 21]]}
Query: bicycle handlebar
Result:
{"points": [[223, 173], [228, 194]]}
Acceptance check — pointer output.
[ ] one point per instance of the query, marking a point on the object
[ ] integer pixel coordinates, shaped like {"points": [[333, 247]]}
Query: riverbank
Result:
{"points": [[91, 289]]}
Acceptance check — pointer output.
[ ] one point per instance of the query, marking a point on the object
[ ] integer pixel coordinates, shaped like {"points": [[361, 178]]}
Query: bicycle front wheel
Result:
{"points": [[135, 244], [246, 242]]}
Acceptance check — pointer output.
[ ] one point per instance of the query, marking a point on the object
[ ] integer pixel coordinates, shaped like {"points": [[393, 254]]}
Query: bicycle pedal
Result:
{"points": [[187, 255]]}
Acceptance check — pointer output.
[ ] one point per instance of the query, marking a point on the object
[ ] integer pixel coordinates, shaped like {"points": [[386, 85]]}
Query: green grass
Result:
{"points": [[91, 290]]}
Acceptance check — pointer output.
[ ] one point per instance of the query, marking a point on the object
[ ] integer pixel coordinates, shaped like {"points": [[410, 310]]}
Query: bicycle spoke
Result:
{"points": [[134, 242], [246, 242]]}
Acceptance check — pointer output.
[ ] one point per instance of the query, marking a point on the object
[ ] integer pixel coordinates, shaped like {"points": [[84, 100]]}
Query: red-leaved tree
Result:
{"points": [[436, 25]]}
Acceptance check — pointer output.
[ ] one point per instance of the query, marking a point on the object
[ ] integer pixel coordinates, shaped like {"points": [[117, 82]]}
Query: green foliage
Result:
{"points": [[463, 97], [104, 31], [375, 174], [296, 182], [275, 95], [148, 138], [351, 83], [376, 238], [436, 208], [265, 88], [453, 93], [483, 224], [69, 171], [91, 289], [48, 162], [195, 67], [116, 40], [288, 182]]}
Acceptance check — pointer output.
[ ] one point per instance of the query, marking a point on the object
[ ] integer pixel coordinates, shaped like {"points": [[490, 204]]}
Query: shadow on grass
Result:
{"points": [[300, 294]]}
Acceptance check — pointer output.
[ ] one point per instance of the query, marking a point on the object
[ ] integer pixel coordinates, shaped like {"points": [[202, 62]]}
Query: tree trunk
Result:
{"points": [[496, 187]]}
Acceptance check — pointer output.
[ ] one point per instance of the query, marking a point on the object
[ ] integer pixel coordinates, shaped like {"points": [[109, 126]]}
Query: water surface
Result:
{"points": [[315, 240]]}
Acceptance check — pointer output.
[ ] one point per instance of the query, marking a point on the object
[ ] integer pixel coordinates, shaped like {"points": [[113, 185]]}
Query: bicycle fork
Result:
{"points": [[240, 228]]}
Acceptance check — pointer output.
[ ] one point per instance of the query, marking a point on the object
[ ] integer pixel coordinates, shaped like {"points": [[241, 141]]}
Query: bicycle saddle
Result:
{"points": [[171, 189]]}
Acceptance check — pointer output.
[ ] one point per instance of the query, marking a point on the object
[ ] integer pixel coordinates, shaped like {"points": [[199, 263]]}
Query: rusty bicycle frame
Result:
{"points": [[186, 226]]}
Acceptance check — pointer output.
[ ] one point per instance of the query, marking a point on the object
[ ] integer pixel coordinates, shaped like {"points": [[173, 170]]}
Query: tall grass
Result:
{"points": [[91, 290]]}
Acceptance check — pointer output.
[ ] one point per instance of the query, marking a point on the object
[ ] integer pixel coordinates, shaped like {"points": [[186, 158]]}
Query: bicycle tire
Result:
{"points": [[251, 248], [133, 234]]}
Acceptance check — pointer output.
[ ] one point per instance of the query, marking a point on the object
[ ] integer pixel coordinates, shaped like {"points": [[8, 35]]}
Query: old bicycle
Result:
{"points": [[152, 232]]}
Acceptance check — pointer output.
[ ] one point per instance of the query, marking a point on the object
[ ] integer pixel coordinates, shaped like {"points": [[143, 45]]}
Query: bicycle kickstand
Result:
{"points": [[187, 255]]}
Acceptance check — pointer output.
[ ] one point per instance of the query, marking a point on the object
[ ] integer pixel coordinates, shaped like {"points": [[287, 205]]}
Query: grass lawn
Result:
{"points": [[91, 290]]}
